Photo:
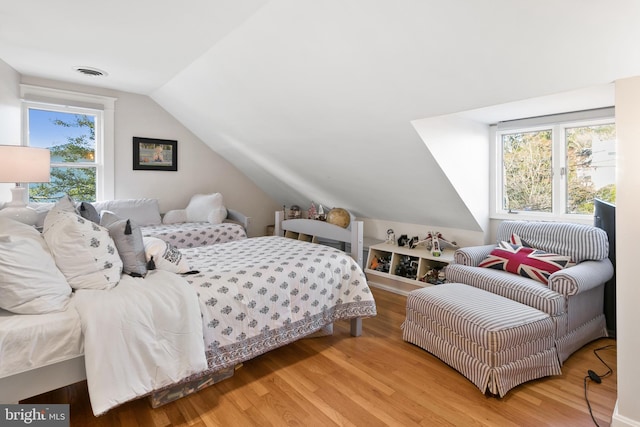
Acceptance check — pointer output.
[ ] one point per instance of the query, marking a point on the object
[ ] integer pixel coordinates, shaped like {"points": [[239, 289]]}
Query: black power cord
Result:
{"points": [[596, 378]]}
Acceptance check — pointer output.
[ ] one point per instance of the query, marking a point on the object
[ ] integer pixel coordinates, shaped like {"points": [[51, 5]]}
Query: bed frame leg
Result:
{"points": [[356, 327]]}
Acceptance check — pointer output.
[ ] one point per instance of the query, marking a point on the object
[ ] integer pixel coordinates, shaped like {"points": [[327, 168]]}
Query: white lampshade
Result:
{"points": [[22, 164]]}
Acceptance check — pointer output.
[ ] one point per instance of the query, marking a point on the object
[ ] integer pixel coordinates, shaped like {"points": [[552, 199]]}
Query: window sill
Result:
{"points": [[529, 216]]}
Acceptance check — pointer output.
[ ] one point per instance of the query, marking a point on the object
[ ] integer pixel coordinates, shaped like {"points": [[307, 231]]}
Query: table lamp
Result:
{"points": [[22, 164]]}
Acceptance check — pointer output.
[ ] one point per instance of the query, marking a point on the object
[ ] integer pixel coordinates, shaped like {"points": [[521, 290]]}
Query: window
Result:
{"points": [[70, 135], [555, 169], [78, 130]]}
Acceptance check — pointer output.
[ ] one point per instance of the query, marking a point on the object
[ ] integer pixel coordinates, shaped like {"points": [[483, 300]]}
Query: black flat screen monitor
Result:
{"points": [[605, 218]]}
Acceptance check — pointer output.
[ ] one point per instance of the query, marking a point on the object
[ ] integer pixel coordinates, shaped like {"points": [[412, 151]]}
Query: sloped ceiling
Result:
{"points": [[314, 100], [141, 44]]}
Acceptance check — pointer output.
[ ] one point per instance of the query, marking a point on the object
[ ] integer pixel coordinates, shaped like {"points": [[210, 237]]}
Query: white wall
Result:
{"points": [[627, 234], [377, 228], [460, 146], [9, 116], [200, 169], [9, 105]]}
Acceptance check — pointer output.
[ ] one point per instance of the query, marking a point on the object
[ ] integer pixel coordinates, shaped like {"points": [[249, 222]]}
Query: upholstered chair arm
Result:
{"points": [[581, 277], [173, 216], [472, 255]]}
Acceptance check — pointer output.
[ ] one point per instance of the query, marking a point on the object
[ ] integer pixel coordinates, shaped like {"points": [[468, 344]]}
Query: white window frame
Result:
{"points": [[98, 163], [102, 107], [557, 124]]}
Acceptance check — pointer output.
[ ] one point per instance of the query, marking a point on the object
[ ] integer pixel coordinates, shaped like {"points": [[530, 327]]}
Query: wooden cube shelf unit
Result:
{"points": [[390, 280]]}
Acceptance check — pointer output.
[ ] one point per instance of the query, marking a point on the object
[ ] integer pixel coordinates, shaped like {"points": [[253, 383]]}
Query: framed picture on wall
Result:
{"points": [[155, 154]]}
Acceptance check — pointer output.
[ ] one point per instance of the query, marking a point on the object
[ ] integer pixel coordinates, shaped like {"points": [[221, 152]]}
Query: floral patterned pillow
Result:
{"points": [[83, 251]]}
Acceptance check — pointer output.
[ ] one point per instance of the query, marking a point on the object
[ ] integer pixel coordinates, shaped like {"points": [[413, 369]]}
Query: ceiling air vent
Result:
{"points": [[90, 71]]}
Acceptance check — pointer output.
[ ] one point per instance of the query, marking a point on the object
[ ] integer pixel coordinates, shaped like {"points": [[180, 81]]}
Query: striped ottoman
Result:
{"points": [[495, 342]]}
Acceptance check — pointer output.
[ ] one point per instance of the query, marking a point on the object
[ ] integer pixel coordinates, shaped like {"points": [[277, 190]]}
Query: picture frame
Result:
{"points": [[155, 154]]}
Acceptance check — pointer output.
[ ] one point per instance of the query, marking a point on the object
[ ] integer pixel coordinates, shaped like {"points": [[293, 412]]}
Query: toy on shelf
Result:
{"points": [[294, 212], [404, 240], [407, 267], [434, 276], [434, 242], [391, 237], [312, 213], [381, 263]]}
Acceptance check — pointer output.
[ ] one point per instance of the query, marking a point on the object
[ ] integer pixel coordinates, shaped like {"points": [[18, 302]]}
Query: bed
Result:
{"points": [[204, 222], [254, 295], [194, 234], [175, 226], [352, 236]]}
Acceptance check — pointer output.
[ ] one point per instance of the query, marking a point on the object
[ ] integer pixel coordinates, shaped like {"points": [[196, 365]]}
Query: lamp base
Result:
{"points": [[24, 214], [17, 209]]}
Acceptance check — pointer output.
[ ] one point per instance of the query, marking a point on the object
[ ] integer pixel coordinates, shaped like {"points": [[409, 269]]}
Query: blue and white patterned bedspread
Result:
{"points": [[261, 293], [195, 234]]}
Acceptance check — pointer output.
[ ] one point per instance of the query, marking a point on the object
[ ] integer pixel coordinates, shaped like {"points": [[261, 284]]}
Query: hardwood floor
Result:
{"points": [[373, 380]]}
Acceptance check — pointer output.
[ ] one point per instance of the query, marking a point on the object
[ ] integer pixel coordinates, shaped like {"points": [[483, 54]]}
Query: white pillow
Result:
{"points": [[165, 256], [206, 207], [42, 208], [14, 228], [83, 250], [174, 216], [66, 203], [141, 211], [30, 282]]}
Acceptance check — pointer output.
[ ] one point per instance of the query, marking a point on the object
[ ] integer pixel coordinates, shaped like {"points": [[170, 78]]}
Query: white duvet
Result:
{"points": [[142, 335]]}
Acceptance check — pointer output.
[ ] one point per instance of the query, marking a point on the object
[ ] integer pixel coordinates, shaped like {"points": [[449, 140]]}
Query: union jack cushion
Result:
{"points": [[527, 262], [517, 240]]}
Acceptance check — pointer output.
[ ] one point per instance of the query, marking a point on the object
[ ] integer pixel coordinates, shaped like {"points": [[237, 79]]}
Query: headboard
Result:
{"points": [[352, 235]]}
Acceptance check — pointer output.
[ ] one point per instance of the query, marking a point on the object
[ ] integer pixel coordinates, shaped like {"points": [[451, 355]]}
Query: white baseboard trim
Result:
{"points": [[387, 288], [618, 420]]}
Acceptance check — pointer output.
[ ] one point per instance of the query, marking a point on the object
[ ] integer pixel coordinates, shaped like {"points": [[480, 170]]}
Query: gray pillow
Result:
{"points": [[88, 211], [128, 239]]}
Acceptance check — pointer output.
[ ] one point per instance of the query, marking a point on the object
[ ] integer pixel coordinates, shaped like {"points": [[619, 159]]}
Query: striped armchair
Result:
{"points": [[574, 295]]}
